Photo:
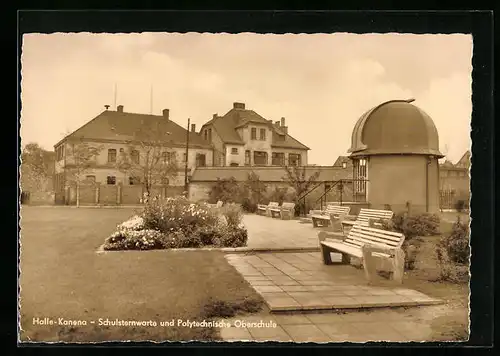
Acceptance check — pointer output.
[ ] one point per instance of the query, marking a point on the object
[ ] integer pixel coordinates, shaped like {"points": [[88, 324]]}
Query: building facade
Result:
{"points": [[242, 137], [454, 182], [117, 148]]}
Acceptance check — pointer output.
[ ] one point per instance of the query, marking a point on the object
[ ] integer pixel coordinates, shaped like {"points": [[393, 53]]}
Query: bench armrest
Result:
{"points": [[381, 249], [325, 234], [350, 217]]}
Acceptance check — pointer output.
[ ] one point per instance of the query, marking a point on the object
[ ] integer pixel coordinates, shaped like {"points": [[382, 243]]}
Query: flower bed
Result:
{"points": [[177, 223]]}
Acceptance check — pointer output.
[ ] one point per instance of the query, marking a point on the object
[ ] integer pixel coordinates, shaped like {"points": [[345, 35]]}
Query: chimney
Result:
{"points": [[284, 129], [107, 107], [282, 121], [214, 116], [239, 106], [193, 127], [277, 123], [165, 113], [119, 108]]}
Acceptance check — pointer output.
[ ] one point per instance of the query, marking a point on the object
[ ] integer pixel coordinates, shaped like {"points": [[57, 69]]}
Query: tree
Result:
{"points": [[81, 158], [148, 158], [296, 177], [37, 167], [227, 190], [255, 186]]}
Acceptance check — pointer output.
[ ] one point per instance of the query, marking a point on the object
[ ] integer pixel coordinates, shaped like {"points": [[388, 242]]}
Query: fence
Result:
{"points": [[97, 194], [449, 199]]}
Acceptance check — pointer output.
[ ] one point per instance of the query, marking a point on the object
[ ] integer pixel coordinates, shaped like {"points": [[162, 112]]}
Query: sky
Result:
{"points": [[321, 83]]}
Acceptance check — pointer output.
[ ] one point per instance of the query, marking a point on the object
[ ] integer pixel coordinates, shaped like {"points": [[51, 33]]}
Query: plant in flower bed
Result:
{"points": [[414, 227], [178, 223]]}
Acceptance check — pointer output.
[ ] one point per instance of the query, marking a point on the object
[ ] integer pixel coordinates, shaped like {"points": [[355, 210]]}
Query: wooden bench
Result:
{"points": [[285, 211], [265, 208], [323, 219], [364, 217], [377, 249]]}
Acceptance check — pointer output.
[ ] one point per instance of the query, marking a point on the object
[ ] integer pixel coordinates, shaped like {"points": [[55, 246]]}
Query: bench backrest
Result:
{"points": [[337, 210], [366, 214], [288, 206], [273, 204], [360, 235]]}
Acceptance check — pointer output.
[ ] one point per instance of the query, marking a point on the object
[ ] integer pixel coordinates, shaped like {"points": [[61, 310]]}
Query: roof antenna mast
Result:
{"points": [[116, 90], [151, 101]]}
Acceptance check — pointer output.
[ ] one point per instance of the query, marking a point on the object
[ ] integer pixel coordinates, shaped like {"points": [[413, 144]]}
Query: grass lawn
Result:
{"points": [[63, 277], [453, 322]]}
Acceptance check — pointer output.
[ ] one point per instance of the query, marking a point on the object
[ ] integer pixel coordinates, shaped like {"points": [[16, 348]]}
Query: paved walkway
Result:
{"points": [[390, 325], [272, 233], [300, 281]]}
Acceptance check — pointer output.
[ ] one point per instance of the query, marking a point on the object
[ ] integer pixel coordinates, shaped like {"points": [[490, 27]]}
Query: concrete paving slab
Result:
{"points": [[311, 285]]}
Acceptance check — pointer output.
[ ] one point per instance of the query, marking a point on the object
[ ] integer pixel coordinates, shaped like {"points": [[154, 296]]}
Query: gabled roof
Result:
{"points": [[226, 126], [342, 159], [465, 160], [124, 126], [447, 164], [266, 174]]}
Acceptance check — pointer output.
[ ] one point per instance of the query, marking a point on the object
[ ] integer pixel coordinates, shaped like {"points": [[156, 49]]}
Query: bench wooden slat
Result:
{"points": [[360, 242], [331, 210], [367, 242], [375, 236]]}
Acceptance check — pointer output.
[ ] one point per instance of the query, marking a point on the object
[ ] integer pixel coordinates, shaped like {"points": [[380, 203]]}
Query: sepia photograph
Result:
{"points": [[246, 187]]}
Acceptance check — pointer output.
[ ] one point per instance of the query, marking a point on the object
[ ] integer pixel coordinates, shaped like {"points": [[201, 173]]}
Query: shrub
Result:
{"points": [[233, 237], [173, 214], [233, 214], [413, 225], [448, 270], [460, 205], [227, 190], [248, 206], [277, 195], [457, 243]]}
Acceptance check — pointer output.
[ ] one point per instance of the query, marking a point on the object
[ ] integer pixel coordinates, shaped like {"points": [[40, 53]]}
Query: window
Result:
{"points": [[247, 158], [164, 158], [200, 160], [90, 179], [360, 175], [111, 180], [205, 134], [60, 153], [234, 151], [260, 158], [294, 159], [234, 164], [121, 150], [210, 135], [111, 155], [263, 134], [184, 157], [344, 164], [165, 181], [278, 159], [134, 156], [134, 180], [253, 133]]}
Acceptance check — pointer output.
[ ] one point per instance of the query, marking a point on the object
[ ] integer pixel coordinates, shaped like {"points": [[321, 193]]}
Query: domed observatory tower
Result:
{"points": [[395, 147]]}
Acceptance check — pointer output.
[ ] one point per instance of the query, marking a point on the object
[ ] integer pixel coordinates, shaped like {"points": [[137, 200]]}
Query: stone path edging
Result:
{"points": [[100, 249]]}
